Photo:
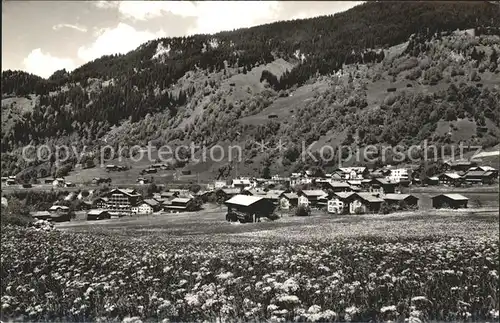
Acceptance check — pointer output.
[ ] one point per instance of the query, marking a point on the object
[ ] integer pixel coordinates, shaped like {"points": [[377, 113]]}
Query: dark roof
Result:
{"points": [[455, 197], [398, 197], [290, 196], [369, 197]]}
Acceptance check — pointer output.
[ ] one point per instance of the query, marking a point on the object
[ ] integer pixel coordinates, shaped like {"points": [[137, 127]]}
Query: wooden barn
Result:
{"points": [[94, 215], [453, 201], [408, 199], [248, 208]]}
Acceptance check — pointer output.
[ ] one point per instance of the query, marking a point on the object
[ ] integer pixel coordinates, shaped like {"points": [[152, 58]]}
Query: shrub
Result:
{"points": [[302, 210], [385, 208]]}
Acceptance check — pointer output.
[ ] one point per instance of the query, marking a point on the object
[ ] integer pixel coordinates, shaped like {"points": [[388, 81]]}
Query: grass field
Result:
{"points": [[427, 265]]}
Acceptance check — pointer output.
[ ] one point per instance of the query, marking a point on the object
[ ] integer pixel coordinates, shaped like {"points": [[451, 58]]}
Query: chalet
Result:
{"points": [[365, 203], [178, 204], [248, 208], [354, 172], [41, 215], [169, 195], [434, 180], [479, 177], [219, 184], [288, 200], [381, 186], [94, 215], [58, 209], [253, 192], [380, 173], [101, 203], [337, 186], [143, 181], [241, 183], [59, 213], [121, 201], [58, 182], [398, 174], [408, 199], [338, 203], [226, 193], [147, 206], [10, 181], [486, 169], [335, 176], [453, 201], [451, 179], [312, 196], [459, 165], [272, 197]]}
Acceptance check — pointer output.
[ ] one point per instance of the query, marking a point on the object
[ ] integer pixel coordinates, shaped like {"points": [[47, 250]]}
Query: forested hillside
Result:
{"points": [[382, 72]]}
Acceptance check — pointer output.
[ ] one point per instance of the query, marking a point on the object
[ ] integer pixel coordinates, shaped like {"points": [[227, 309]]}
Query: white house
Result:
{"points": [[219, 184], [146, 207], [398, 174], [335, 206], [303, 200], [58, 182]]}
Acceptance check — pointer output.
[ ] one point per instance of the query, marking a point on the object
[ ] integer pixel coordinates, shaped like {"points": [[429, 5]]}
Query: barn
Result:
{"points": [[93, 215], [248, 208], [454, 201]]}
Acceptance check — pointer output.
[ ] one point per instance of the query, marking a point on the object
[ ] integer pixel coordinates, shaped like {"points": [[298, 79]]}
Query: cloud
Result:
{"points": [[44, 64], [212, 16], [120, 39], [143, 10], [218, 16], [105, 4], [75, 27]]}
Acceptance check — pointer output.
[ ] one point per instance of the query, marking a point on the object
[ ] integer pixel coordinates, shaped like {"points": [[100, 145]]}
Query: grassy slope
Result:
{"points": [[211, 223]]}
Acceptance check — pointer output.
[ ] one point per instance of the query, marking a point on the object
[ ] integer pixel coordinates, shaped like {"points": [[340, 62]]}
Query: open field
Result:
{"points": [[430, 265]]}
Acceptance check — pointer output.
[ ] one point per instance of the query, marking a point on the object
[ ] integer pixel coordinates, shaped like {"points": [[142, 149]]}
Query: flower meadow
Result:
{"points": [[53, 275]]}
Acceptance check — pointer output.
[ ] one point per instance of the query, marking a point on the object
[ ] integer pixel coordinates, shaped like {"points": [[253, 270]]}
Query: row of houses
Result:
{"points": [[129, 201], [250, 208]]}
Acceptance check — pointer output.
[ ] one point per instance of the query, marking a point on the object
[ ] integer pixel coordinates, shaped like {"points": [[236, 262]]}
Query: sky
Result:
{"points": [[41, 37]]}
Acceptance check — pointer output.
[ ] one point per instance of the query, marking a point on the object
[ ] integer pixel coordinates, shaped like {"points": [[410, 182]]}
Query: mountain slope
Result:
{"points": [[322, 79]]}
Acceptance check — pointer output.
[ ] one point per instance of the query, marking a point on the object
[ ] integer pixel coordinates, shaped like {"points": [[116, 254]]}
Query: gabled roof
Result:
{"points": [[452, 175], [290, 196], [355, 169], [369, 197], [151, 202], [57, 207], [339, 184], [475, 173], [230, 191], [311, 193], [96, 212], [397, 197], [456, 197], [39, 214], [181, 200], [243, 200], [343, 195]]}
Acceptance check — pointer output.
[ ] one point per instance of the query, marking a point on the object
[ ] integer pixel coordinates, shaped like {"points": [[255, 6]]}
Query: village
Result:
{"points": [[347, 190]]}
